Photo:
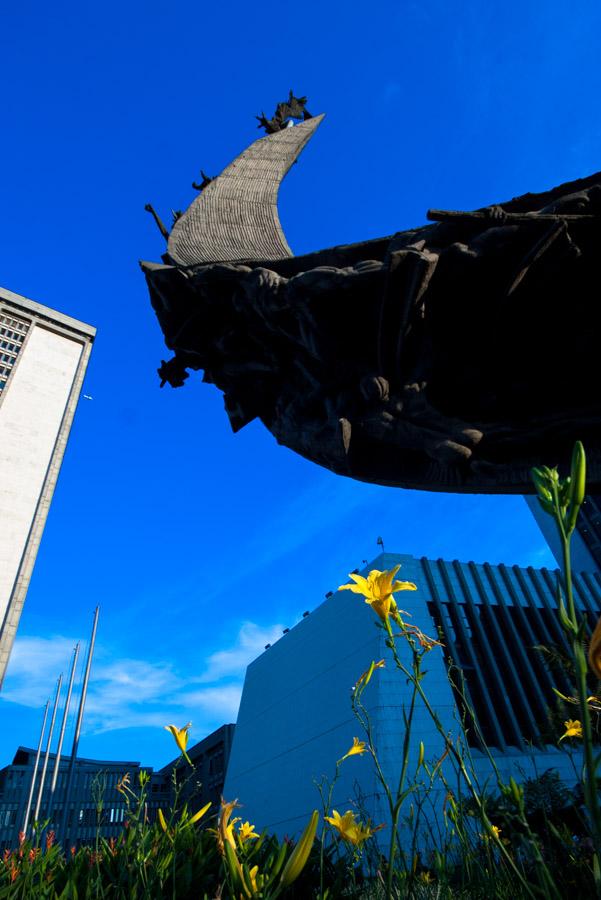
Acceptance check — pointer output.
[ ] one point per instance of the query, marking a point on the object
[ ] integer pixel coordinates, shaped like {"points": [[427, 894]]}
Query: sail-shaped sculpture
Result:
{"points": [[235, 217], [453, 356]]}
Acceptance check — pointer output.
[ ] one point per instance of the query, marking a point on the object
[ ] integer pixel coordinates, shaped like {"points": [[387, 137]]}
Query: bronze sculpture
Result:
{"points": [[453, 356]]}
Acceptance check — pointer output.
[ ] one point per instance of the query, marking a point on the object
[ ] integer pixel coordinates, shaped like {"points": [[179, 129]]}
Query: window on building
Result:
{"points": [[12, 335]]}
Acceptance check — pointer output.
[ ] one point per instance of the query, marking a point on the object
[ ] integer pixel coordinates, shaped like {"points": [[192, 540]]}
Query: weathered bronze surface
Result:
{"points": [[451, 357]]}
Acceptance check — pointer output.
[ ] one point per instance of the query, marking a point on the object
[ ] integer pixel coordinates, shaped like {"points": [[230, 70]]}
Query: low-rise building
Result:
{"points": [[95, 804], [296, 720]]}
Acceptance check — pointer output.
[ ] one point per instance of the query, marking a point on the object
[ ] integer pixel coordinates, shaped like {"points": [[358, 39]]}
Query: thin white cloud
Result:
{"points": [[223, 700], [234, 660], [133, 693], [34, 667]]}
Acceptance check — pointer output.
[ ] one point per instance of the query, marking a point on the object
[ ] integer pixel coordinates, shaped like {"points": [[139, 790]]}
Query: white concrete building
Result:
{"points": [[295, 717], [43, 359]]}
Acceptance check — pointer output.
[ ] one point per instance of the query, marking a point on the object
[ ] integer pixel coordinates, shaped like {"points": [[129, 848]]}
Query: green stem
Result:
{"points": [[397, 803], [326, 810], [581, 668], [461, 765]]}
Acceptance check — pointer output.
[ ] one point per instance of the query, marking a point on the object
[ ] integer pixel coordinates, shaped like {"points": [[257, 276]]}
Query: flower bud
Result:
{"points": [[577, 484], [300, 854]]}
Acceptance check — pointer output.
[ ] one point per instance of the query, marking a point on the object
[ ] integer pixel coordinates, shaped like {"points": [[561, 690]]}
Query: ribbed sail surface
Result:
{"points": [[236, 215]]}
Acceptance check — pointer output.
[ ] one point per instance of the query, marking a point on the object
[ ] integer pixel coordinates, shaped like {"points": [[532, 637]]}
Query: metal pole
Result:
{"points": [[82, 703], [57, 760], [47, 754], [35, 770]]}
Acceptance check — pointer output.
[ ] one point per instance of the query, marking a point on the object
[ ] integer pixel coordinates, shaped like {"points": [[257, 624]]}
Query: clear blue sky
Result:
{"points": [[198, 544]]}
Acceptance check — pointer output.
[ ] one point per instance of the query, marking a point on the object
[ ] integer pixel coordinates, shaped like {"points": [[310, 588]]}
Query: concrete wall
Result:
{"points": [[36, 412], [30, 418], [296, 720]]}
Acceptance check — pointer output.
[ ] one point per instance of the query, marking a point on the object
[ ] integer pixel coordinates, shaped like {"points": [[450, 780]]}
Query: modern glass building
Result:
{"points": [[295, 717], [43, 358]]}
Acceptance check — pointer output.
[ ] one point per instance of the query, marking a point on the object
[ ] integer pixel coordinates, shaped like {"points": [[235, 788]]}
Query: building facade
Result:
{"points": [[586, 539], [43, 358], [94, 803], [296, 720]]}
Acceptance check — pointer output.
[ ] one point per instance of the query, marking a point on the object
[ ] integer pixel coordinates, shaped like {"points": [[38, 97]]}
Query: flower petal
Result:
{"points": [[403, 586]]}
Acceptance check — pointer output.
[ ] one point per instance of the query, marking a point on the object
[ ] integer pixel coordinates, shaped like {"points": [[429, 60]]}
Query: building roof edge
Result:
{"points": [[60, 318]]}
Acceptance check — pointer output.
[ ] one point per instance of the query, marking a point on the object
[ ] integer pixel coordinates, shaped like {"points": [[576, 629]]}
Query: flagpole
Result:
{"points": [[35, 770], [82, 703], [47, 754], [62, 731]]}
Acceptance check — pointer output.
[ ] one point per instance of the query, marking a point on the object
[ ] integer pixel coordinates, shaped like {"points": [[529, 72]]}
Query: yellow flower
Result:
{"points": [[495, 832], [378, 589], [425, 878], [161, 819], [357, 748], [123, 784], [253, 876], [180, 736], [594, 650], [350, 830], [573, 729], [225, 827], [246, 832]]}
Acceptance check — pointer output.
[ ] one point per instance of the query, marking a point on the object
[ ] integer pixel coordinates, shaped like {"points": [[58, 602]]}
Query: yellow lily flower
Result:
{"points": [[425, 878], [573, 729], [349, 829], [246, 832], [594, 650], [181, 737], [378, 589], [357, 748], [225, 827], [494, 833]]}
